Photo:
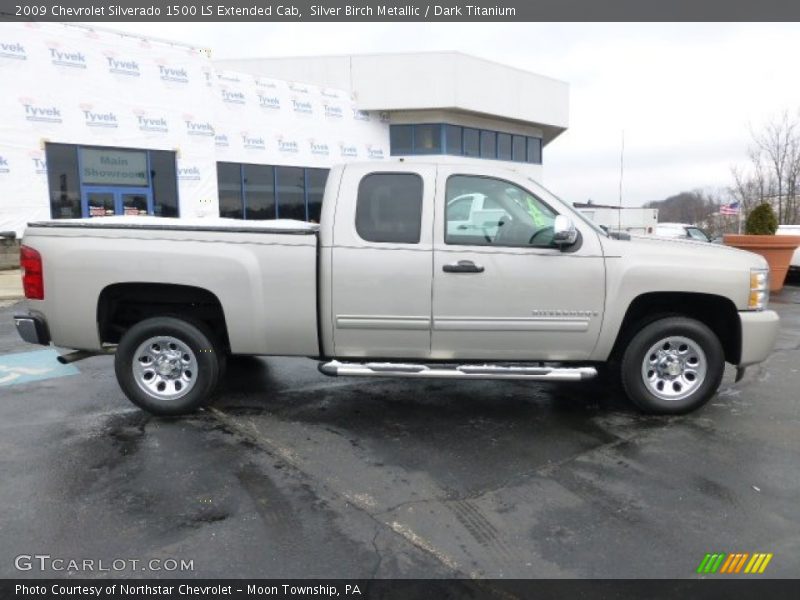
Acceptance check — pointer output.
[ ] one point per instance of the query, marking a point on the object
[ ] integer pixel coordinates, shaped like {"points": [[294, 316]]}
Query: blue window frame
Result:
{"points": [[290, 192], [87, 181], [401, 139], [428, 138], [258, 192], [504, 146], [534, 150], [453, 140], [488, 144], [445, 138], [518, 148], [472, 141]]}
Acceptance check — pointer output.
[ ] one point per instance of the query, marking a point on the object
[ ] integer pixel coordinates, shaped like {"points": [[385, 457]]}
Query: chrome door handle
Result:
{"points": [[463, 266]]}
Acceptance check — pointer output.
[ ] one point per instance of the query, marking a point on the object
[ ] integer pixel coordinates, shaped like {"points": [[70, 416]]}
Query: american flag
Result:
{"points": [[729, 209]]}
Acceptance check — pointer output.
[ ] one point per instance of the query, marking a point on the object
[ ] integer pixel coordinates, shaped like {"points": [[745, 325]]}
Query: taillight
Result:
{"points": [[32, 275]]}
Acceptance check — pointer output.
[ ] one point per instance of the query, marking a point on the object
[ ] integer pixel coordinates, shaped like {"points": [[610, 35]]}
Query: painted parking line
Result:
{"points": [[25, 367]]}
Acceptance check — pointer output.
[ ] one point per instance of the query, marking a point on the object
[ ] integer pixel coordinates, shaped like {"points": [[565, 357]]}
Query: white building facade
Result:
{"points": [[98, 122]]}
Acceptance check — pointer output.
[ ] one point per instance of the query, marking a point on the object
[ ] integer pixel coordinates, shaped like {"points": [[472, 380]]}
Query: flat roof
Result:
{"points": [[411, 81]]}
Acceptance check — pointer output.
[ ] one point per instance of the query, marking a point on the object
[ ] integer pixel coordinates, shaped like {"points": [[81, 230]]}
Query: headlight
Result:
{"points": [[759, 289]]}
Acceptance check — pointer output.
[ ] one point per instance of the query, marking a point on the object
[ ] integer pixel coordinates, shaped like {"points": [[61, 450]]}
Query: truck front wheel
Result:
{"points": [[672, 366], [167, 366]]}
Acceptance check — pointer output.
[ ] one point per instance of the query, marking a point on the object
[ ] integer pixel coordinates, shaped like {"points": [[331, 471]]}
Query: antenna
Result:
{"points": [[621, 172]]}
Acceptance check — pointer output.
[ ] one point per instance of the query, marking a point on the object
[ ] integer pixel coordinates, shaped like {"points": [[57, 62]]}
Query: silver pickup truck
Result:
{"points": [[416, 270]]}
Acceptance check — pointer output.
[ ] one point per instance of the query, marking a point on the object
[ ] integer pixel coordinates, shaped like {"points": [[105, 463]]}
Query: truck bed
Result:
{"points": [[264, 274]]}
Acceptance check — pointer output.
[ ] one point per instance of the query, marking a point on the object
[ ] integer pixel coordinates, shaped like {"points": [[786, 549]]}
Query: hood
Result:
{"points": [[683, 252], [652, 264]]}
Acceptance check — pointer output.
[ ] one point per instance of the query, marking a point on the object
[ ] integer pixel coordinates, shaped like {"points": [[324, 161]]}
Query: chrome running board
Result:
{"points": [[335, 368]]}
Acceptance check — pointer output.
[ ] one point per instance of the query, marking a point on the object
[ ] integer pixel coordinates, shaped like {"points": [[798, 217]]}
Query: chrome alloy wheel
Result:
{"points": [[674, 368], [165, 368]]}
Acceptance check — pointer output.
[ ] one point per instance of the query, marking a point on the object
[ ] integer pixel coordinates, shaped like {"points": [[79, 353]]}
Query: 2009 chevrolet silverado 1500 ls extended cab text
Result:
{"points": [[416, 270]]}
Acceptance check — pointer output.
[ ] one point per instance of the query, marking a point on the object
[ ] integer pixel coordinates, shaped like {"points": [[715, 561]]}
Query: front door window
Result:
{"points": [[100, 204], [501, 289], [135, 204], [111, 201], [482, 211]]}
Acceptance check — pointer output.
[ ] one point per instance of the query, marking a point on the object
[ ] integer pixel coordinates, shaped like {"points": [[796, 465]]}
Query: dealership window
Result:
{"points": [[229, 184], [504, 146], [488, 144], [428, 139], [534, 150], [401, 139], [87, 181], [452, 140], [164, 182], [416, 139], [518, 148], [439, 138], [315, 189], [389, 208], [260, 192], [63, 181], [472, 142], [290, 184]]}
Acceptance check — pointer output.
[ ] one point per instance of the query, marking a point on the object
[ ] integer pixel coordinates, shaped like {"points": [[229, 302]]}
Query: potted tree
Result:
{"points": [[760, 238]]}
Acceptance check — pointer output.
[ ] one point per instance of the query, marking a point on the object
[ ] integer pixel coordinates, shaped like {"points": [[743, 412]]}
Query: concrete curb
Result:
{"points": [[11, 285]]}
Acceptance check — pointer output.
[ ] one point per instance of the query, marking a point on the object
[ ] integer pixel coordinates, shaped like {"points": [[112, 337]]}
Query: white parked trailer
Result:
{"points": [[631, 219], [791, 230]]}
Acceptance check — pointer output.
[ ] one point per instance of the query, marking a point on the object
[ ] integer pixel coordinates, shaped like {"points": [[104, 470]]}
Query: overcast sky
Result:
{"points": [[686, 95]]}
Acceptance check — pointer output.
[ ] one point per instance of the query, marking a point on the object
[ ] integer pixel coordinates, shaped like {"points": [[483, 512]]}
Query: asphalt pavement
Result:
{"points": [[293, 474]]}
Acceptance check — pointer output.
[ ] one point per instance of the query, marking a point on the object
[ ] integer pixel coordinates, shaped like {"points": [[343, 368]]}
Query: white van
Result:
{"points": [[791, 230]]}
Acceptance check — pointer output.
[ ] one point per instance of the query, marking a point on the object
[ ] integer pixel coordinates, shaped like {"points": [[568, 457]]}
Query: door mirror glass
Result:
{"points": [[564, 232]]}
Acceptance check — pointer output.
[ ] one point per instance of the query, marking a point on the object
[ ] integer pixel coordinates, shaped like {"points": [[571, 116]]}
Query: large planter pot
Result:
{"points": [[777, 249]]}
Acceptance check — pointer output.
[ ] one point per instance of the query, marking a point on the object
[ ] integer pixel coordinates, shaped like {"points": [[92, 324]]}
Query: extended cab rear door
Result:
{"points": [[500, 289], [381, 261]]}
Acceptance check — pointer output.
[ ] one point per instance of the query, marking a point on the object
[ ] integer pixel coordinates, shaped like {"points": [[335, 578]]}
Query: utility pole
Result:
{"points": [[621, 172]]}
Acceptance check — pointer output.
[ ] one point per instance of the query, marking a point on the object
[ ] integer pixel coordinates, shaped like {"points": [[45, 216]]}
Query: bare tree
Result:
{"points": [[774, 173], [792, 179], [744, 189]]}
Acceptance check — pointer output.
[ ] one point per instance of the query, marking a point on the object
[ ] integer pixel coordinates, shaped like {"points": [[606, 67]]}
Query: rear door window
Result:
{"points": [[389, 208]]}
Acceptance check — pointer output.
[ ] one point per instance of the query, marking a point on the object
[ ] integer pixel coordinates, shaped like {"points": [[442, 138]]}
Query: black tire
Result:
{"points": [[188, 385], [641, 382]]}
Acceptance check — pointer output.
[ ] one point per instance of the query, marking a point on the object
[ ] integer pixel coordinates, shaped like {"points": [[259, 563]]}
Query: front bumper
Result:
{"points": [[759, 332], [32, 329]]}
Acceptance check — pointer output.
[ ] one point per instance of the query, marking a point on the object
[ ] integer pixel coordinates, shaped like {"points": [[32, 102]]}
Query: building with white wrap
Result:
{"points": [[96, 122]]}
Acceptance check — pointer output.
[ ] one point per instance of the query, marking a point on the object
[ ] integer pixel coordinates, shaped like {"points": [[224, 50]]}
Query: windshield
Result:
{"points": [[548, 195], [697, 234]]}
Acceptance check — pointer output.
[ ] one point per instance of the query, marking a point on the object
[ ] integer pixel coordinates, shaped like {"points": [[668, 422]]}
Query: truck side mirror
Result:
{"points": [[564, 232]]}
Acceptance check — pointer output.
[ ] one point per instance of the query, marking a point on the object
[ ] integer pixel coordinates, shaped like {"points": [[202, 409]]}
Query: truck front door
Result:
{"points": [[501, 290], [381, 262]]}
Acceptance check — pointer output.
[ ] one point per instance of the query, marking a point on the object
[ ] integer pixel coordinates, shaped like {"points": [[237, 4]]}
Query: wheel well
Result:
{"points": [[717, 312], [122, 305]]}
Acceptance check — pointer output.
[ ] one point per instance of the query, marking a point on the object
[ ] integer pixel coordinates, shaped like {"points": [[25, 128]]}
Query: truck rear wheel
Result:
{"points": [[672, 366], [168, 366]]}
